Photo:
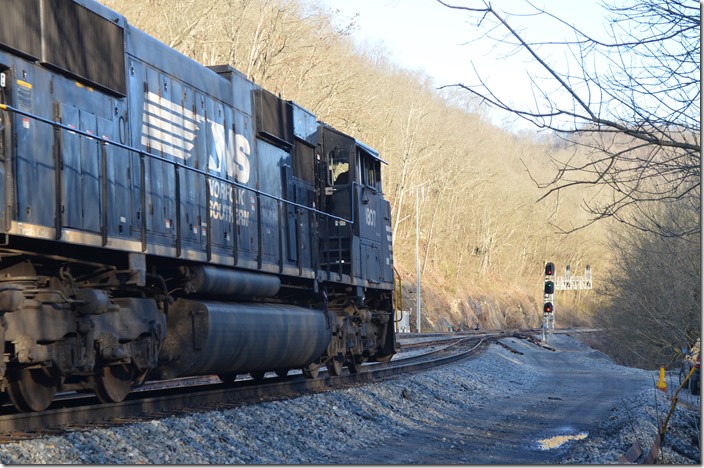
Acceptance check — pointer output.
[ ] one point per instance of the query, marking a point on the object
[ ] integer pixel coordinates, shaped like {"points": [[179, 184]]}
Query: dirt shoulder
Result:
{"points": [[540, 422]]}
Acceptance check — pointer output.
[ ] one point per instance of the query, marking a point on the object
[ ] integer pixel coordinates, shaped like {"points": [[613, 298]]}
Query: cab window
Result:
{"points": [[338, 166], [371, 172]]}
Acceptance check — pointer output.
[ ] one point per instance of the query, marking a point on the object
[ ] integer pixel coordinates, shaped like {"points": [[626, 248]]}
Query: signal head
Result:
{"points": [[549, 287], [547, 308], [549, 269]]}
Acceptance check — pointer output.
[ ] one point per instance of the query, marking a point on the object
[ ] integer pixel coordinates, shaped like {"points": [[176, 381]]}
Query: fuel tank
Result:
{"points": [[216, 338]]}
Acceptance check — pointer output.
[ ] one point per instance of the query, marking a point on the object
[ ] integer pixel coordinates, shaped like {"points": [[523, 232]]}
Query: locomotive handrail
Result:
{"points": [[143, 153], [398, 296]]}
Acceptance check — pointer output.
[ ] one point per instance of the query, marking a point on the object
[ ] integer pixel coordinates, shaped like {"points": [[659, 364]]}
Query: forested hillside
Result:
{"points": [[482, 236]]}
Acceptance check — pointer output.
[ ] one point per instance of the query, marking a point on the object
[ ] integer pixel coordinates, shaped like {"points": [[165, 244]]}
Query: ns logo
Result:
{"points": [[171, 129], [232, 151]]}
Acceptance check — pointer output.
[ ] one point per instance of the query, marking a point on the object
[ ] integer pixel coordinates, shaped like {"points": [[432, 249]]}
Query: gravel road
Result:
{"points": [[522, 405]]}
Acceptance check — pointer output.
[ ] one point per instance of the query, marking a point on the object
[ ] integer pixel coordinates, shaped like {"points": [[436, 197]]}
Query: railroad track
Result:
{"points": [[79, 412], [415, 340], [161, 399]]}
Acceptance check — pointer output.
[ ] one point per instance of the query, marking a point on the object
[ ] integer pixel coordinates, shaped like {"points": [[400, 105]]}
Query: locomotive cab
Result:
{"points": [[357, 238], [374, 215]]}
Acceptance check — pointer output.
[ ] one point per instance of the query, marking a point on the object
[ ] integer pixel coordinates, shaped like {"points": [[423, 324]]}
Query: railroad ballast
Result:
{"points": [[160, 218]]}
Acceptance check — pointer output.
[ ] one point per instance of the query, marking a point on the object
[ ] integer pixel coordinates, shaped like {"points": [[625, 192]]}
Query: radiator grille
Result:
{"points": [[20, 27], [84, 44]]}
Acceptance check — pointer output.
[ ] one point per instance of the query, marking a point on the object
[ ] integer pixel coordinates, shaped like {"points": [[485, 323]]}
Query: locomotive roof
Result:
{"points": [[369, 150]]}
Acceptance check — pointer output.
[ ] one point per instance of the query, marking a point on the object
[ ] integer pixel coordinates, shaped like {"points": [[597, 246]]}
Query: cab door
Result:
{"points": [[338, 182], [372, 216], [339, 151]]}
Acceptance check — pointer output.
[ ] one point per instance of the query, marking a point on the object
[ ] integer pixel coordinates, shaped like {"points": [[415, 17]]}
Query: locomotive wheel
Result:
{"points": [[31, 389], [227, 378], [113, 383], [335, 366], [311, 371], [354, 364], [282, 372], [258, 376]]}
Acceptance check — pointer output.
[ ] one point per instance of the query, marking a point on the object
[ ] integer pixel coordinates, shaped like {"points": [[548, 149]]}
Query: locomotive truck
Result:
{"points": [[160, 218]]}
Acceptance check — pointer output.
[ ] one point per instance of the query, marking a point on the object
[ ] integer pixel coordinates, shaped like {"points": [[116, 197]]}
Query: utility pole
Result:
{"points": [[417, 266]]}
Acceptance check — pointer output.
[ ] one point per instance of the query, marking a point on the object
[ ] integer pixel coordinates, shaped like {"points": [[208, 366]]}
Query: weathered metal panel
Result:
{"points": [[161, 57], [242, 88], [305, 195], [305, 125], [220, 163], [171, 95], [304, 162], [34, 157], [192, 185], [119, 193], [246, 201], [270, 160], [153, 185], [71, 167], [290, 214], [370, 217], [90, 169], [387, 253]]}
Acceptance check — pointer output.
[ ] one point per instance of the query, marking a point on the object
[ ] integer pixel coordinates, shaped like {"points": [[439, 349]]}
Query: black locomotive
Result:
{"points": [[160, 218]]}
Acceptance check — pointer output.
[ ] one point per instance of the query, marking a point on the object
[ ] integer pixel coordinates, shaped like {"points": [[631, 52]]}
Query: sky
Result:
{"points": [[442, 42]]}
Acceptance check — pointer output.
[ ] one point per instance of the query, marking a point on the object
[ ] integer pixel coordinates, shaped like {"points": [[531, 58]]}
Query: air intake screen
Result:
{"points": [[274, 118], [83, 43], [19, 26]]}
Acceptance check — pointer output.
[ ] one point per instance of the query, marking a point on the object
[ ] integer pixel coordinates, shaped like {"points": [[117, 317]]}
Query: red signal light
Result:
{"points": [[549, 269], [547, 308]]}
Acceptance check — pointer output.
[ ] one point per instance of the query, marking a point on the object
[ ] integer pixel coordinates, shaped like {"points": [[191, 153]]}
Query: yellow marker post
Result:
{"points": [[662, 385]]}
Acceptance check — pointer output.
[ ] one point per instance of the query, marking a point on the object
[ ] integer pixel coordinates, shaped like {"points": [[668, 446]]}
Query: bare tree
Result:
{"points": [[635, 102], [654, 306]]}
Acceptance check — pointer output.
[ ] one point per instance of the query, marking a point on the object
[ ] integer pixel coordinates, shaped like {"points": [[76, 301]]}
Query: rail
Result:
{"points": [[74, 413]]}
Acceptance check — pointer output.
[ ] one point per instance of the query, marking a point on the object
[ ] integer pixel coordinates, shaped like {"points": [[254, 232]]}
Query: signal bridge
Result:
{"points": [[577, 282], [569, 282]]}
